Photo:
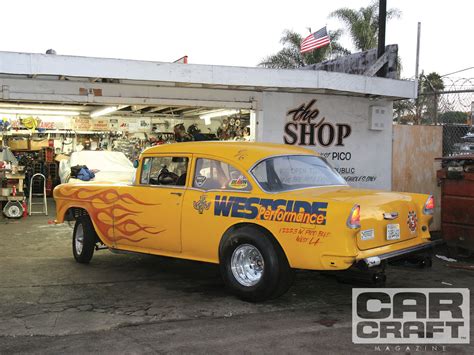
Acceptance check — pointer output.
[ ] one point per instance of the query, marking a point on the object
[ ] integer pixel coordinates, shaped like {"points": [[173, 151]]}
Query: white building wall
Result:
{"points": [[368, 153], [364, 157]]}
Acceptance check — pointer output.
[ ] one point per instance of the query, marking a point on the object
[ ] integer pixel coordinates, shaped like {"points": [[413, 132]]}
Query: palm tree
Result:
{"points": [[430, 84], [403, 111], [290, 57], [363, 24]]}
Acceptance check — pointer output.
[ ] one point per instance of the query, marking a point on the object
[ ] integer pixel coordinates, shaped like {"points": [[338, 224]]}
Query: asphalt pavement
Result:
{"points": [[137, 304]]}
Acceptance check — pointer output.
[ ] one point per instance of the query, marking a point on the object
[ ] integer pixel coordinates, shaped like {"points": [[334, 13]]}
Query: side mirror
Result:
{"points": [[135, 163]]}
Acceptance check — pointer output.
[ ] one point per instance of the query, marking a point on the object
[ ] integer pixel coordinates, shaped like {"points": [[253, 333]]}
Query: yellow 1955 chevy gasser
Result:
{"points": [[258, 210]]}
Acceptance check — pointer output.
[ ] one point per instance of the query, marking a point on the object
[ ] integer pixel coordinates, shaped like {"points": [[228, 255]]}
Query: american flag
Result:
{"points": [[315, 40]]}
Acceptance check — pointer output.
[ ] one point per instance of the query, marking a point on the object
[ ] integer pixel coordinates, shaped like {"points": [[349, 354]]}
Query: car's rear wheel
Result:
{"points": [[254, 266], [83, 240]]}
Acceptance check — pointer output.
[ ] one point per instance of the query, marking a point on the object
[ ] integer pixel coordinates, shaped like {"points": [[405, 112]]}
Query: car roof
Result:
{"points": [[245, 154]]}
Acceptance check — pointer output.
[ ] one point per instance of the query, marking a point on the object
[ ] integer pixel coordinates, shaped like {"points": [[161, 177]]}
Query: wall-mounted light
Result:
{"points": [[219, 113], [38, 112], [106, 110]]}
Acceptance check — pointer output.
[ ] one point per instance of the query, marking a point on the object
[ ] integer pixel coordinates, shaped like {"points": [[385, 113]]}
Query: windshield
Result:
{"points": [[295, 172]]}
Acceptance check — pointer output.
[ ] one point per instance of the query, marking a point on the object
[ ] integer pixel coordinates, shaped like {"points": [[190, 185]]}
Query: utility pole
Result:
{"points": [[417, 66], [417, 76], [381, 37]]}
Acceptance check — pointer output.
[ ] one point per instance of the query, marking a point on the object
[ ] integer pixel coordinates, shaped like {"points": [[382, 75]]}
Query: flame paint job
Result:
{"points": [[112, 213]]}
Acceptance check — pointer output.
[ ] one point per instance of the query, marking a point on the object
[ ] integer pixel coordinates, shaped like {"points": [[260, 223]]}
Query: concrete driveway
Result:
{"points": [[145, 304]]}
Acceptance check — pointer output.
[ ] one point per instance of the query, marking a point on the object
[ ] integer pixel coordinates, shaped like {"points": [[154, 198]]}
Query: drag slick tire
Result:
{"points": [[83, 240], [253, 265]]}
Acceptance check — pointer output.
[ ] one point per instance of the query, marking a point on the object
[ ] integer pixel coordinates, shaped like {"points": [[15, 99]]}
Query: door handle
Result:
{"points": [[176, 193]]}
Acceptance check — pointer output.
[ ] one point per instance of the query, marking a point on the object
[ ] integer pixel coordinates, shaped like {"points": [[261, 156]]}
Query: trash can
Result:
{"points": [[456, 178]]}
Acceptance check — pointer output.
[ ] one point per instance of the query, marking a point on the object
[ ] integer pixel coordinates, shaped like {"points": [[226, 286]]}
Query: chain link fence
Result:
{"points": [[453, 142], [451, 105]]}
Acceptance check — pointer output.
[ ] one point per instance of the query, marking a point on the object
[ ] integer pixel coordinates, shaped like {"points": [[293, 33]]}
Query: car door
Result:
{"points": [[147, 216], [209, 207]]}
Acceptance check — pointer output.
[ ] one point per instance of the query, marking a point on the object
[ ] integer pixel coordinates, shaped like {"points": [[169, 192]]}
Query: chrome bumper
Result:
{"points": [[377, 260]]}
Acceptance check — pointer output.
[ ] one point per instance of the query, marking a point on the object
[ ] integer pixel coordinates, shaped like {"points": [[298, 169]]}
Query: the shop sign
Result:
{"points": [[336, 127], [308, 128]]}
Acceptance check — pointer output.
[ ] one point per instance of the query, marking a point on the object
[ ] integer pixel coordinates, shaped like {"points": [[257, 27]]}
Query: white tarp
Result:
{"points": [[110, 166]]}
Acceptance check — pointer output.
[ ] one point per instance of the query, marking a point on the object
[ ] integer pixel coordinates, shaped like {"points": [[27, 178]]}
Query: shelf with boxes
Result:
{"points": [[40, 162], [19, 143]]}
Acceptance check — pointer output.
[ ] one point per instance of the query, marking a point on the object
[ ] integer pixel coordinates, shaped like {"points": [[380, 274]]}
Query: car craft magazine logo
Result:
{"points": [[410, 316]]}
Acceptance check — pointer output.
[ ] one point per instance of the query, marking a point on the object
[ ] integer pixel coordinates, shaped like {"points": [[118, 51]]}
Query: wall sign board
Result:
{"points": [[338, 128]]}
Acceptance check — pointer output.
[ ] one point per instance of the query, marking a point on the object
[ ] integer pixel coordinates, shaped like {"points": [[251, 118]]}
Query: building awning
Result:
{"points": [[124, 71]]}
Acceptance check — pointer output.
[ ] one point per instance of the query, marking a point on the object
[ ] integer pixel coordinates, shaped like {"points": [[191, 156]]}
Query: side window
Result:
{"points": [[216, 175], [169, 171]]}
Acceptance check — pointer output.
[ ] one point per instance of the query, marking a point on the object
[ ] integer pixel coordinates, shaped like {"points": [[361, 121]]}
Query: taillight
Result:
{"points": [[429, 205], [353, 221]]}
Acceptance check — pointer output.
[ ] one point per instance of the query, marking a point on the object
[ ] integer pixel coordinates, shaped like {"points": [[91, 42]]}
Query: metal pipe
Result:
{"points": [[382, 21], [381, 34], [417, 54]]}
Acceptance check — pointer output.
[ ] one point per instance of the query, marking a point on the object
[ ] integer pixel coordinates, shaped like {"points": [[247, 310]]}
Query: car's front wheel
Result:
{"points": [[254, 266], [83, 240]]}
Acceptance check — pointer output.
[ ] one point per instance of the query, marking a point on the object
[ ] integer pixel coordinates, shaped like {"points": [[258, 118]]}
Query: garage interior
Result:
{"points": [[39, 138]]}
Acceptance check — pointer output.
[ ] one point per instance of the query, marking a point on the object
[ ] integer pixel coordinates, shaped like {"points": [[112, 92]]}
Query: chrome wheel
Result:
{"points": [[247, 265], [79, 239]]}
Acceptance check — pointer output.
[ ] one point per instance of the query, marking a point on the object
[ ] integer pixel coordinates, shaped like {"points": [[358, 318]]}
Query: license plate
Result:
{"points": [[393, 231]]}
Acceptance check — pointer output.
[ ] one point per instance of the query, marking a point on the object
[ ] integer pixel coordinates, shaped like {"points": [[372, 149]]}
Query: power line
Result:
{"points": [[457, 71]]}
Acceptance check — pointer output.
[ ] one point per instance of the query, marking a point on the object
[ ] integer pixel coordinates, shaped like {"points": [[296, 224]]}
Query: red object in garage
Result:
{"points": [[25, 209], [49, 187], [457, 201]]}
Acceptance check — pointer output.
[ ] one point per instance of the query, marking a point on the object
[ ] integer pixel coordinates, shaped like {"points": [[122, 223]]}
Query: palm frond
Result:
{"points": [[290, 57], [362, 25]]}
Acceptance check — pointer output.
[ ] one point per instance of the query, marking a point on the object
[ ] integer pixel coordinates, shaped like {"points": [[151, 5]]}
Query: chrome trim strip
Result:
{"points": [[218, 190], [298, 189], [163, 186]]}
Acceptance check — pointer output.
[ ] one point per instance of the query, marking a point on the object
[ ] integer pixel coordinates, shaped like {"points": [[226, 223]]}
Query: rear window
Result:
{"points": [[292, 172]]}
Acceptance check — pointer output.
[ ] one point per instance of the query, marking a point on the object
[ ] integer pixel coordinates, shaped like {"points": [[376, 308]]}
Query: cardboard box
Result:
{"points": [[18, 144], [38, 144], [5, 191]]}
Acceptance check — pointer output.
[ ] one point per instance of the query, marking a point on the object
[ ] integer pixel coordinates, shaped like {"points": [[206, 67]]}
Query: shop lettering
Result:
{"points": [[304, 113], [345, 170], [341, 156], [271, 210], [305, 128], [360, 178]]}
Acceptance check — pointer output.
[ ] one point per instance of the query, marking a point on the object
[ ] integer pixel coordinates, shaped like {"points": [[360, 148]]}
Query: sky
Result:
{"points": [[236, 33]]}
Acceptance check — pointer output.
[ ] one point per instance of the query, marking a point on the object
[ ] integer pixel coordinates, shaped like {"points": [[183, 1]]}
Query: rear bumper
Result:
{"points": [[378, 259]]}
